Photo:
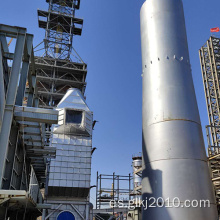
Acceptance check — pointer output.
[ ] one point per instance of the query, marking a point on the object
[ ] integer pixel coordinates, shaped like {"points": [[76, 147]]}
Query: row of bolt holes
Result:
{"points": [[181, 59]]}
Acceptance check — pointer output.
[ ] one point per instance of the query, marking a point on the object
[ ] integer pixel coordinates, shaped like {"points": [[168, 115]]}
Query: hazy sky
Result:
{"points": [[110, 45]]}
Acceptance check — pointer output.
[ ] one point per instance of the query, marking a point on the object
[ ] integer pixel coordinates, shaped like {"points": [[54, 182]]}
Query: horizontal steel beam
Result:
{"points": [[43, 206], [51, 150], [29, 124], [40, 115], [32, 138], [12, 31], [31, 131]]}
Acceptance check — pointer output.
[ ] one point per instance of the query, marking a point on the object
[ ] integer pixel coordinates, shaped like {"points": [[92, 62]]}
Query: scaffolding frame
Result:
{"points": [[210, 66], [60, 67], [23, 154], [60, 25], [114, 188]]}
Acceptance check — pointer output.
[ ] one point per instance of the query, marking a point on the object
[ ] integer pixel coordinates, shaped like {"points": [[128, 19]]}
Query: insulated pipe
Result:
{"points": [[174, 158]]}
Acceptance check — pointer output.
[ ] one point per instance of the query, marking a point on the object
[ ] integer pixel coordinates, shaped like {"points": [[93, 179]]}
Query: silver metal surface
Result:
{"points": [[34, 189], [2, 90], [72, 166], [10, 99], [174, 158], [137, 175], [35, 114], [70, 172]]}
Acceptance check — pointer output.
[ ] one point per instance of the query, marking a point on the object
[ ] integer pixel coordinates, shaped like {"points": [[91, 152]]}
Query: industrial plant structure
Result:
{"points": [[24, 151], [117, 196], [210, 66], [46, 125], [45, 169], [174, 157]]}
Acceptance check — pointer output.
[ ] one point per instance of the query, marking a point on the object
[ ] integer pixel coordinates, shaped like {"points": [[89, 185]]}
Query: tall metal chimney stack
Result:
{"points": [[174, 158]]}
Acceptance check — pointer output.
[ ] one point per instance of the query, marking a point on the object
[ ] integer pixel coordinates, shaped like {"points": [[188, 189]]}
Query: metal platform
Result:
{"points": [[66, 3], [60, 25], [63, 20], [55, 77]]}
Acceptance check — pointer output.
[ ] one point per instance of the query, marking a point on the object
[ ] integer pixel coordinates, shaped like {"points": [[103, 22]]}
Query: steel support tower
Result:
{"points": [[23, 154], [112, 188], [60, 67], [210, 66]]}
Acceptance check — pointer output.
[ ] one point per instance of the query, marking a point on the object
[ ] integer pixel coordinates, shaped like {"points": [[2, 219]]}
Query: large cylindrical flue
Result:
{"points": [[174, 159]]}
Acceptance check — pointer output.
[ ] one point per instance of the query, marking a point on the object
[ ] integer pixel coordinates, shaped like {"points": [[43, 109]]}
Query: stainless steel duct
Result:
{"points": [[174, 159]]}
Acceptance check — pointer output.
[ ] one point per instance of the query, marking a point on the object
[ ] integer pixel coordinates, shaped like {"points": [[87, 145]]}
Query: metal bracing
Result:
{"points": [[2, 90], [23, 136], [11, 92], [210, 65], [112, 188], [25, 69], [55, 77], [60, 67], [214, 162], [137, 175], [60, 25]]}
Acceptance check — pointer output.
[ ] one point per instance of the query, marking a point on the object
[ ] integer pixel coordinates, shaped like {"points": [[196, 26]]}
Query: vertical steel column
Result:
{"points": [[32, 82], [87, 210], [2, 90], [129, 186], [113, 193], [97, 182], [10, 99], [25, 69], [100, 191], [4, 42]]}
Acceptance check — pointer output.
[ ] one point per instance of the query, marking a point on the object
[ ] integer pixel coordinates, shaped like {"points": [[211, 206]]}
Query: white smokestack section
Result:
{"points": [[174, 159]]}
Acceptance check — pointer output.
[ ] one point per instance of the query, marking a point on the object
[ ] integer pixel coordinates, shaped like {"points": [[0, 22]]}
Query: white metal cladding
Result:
{"points": [[72, 166], [74, 100]]}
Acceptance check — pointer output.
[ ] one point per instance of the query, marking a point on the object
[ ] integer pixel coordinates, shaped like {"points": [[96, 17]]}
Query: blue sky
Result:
{"points": [[110, 45]]}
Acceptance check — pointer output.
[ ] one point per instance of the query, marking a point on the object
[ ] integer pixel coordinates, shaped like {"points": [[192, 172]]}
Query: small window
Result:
{"points": [[73, 116]]}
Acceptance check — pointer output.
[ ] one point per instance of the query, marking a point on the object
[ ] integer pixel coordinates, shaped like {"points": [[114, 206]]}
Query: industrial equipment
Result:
{"points": [[70, 172], [23, 149], [59, 67], [174, 159], [210, 66]]}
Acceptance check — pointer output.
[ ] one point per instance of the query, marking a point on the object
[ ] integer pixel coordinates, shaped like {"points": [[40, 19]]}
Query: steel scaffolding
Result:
{"points": [[28, 82], [112, 188], [23, 154], [60, 67], [210, 66], [60, 25]]}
